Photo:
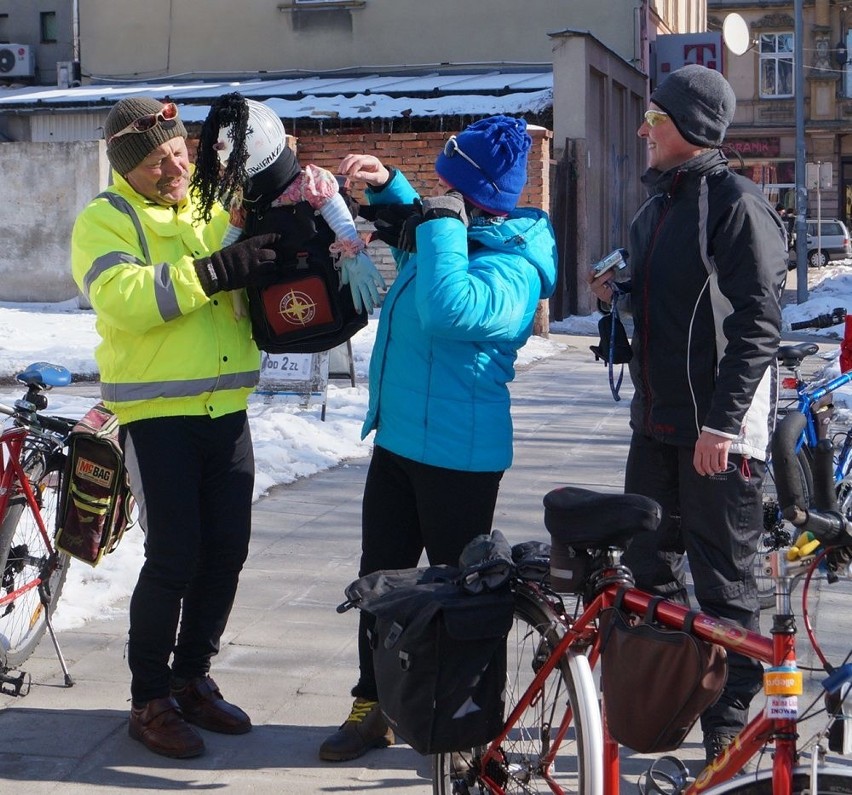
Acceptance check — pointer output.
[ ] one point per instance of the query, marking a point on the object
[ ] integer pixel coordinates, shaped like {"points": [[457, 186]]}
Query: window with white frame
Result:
{"points": [[776, 64]]}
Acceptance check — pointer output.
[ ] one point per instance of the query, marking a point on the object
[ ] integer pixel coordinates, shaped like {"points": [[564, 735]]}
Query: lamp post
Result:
{"points": [[801, 190]]}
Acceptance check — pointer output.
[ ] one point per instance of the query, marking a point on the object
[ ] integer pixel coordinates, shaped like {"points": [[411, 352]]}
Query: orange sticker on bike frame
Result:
{"points": [[782, 682]]}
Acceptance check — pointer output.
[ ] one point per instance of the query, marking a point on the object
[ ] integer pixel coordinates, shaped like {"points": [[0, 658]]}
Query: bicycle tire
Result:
{"points": [[578, 765], [23, 556], [831, 782], [844, 475], [775, 534]]}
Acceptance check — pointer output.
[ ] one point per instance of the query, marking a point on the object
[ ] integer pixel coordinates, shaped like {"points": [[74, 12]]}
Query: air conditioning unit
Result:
{"points": [[16, 60]]}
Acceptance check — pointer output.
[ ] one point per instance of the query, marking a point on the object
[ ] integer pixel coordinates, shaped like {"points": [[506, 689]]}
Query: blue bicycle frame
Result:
{"points": [[809, 398]]}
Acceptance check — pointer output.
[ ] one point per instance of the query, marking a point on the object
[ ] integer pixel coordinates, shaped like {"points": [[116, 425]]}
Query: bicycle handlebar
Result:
{"points": [[830, 528], [835, 317], [60, 425]]}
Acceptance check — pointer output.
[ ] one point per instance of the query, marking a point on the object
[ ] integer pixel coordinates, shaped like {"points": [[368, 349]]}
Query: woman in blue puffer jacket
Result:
{"points": [[471, 271]]}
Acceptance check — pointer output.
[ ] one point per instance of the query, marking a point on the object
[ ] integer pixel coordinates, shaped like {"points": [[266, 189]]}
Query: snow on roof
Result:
{"points": [[338, 96]]}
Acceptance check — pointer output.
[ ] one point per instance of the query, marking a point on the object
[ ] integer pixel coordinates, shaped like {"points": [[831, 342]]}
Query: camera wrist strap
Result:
{"points": [[614, 386]]}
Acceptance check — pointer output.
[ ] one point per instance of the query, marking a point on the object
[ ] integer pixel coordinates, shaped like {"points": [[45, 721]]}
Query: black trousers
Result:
{"points": [[409, 507], [193, 479], [716, 521]]}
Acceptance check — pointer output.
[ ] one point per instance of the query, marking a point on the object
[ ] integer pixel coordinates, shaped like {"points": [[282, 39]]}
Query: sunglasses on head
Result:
{"points": [[653, 118], [451, 149], [168, 112]]}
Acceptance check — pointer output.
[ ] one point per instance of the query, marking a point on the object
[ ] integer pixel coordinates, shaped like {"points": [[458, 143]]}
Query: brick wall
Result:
{"points": [[414, 154]]}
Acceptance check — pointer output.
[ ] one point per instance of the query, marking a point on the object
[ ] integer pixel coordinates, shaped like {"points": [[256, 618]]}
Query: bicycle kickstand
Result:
{"points": [[69, 682]]}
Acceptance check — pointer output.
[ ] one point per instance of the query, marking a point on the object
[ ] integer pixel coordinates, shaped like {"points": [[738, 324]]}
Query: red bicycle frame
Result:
{"points": [[779, 651], [13, 481]]}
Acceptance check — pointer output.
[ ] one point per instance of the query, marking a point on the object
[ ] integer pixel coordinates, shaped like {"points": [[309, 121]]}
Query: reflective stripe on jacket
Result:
{"points": [[167, 349]]}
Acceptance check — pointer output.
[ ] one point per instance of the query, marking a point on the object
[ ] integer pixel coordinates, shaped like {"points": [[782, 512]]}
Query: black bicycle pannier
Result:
{"points": [[439, 654], [656, 681]]}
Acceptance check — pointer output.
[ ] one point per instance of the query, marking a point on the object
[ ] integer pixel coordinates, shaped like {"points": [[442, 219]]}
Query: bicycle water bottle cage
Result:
{"points": [[666, 776]]}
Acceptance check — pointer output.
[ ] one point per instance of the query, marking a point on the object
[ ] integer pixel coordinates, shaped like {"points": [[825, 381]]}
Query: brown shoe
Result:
{"points": [[365, 728], [160, 727], [203, 705]]}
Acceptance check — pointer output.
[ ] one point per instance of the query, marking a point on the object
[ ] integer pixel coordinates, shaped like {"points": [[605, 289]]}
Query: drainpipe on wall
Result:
{"points": [[641, 25], [75, 31]]}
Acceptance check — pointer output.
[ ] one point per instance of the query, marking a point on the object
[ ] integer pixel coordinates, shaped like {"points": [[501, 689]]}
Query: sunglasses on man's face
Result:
{"points": [[451, 149], [168, 112], [654, 118]]}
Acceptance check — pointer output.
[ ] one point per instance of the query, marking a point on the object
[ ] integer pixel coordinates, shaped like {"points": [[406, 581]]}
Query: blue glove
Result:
{"points": [[364, 281]]}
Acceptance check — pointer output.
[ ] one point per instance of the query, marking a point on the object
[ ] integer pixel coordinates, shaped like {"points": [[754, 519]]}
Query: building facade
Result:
{"points": [[764, 129], [38, 42], [183, 39]]}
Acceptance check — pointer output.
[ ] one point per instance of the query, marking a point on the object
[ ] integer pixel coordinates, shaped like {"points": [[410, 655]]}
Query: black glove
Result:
{"points": [[390, 220], [408, 233], [251, 261], [396, 224], [351, 202], [450, 205]]}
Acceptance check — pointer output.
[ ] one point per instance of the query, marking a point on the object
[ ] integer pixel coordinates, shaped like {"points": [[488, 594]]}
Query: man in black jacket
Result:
{"points": [[707, 253]]}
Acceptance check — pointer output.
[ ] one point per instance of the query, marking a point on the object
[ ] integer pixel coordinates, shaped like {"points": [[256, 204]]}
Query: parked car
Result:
{"points": [[832, 244]]}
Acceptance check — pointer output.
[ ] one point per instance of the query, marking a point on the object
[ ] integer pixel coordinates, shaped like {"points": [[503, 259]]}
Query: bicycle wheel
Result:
{"points": [[843, 474], [835, 781], [776, 532], [25, 558], [578, 764]]}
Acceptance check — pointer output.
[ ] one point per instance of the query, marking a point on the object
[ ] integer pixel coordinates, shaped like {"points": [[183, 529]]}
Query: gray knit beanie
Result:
{"points": [[700, 101], [129, 150]]}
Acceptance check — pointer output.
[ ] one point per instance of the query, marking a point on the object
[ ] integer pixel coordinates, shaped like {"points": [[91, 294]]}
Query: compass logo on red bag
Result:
{"points": [[297, 308]]}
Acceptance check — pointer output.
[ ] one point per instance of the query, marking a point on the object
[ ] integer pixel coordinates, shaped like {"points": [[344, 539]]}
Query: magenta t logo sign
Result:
{"points": [[703, 54]]}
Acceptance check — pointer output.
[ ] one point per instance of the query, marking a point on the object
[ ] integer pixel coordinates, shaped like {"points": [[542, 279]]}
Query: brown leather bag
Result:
{"points": [[656, 682]]}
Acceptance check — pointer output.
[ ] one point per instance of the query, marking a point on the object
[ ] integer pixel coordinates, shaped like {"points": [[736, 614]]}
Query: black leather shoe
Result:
{"points": [[203, 704], [365, 728], [161, 728]]}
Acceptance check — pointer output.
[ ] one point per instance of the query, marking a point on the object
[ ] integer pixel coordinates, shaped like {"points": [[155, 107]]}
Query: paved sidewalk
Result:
{"points": [[288, 658]]}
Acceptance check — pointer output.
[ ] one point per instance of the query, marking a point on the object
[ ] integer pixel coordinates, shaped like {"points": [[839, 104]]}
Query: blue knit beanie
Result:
{"points": [[499, 146]]}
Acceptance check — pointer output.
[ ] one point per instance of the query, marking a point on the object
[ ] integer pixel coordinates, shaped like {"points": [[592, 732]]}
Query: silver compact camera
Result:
{"points": [[615, 259]]}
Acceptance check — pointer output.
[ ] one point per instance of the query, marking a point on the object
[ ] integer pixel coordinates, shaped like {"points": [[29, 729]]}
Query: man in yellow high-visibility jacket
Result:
{"points": [[177, 363]]}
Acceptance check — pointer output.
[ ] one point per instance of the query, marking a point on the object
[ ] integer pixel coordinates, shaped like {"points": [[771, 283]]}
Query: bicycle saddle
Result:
{"points": [[794, 355], [45, 375], [586, 519]]}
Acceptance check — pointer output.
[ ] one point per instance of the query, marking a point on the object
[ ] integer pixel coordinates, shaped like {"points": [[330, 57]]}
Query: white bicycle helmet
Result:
{"points": [[265, 139]]}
